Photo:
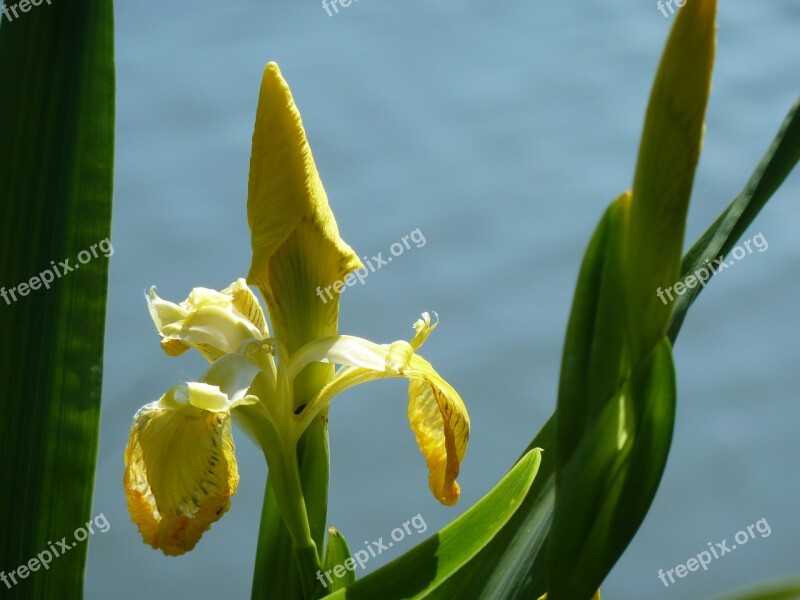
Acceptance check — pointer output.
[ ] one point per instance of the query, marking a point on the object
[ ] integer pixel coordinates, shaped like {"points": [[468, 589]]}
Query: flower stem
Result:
{"points": [[275, 577]]}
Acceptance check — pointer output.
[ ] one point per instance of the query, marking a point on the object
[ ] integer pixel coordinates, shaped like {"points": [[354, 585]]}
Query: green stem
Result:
{"points": [[289, 494], [286, 523], [313, 455], [309, 565]]}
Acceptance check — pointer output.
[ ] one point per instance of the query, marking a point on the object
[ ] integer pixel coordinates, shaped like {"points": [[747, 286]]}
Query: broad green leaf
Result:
{"points": [[56, 165], [515, 556], [665, 167], [593, 349], [616, 404], [603, 406], [717, 241], [419, 572]]}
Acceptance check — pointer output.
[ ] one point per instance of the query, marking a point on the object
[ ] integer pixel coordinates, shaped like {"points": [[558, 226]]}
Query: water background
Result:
{"points": [[502, 131]]}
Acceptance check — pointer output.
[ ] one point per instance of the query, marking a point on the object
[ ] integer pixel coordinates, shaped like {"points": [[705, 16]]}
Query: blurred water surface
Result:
{"points": [[501, 131]]}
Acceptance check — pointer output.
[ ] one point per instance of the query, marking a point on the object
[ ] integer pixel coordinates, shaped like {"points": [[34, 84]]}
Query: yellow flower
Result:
{"points": [[180, 463]]}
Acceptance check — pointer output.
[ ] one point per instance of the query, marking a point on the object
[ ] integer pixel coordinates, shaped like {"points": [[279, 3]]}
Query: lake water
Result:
{"points": [[501, 131]]}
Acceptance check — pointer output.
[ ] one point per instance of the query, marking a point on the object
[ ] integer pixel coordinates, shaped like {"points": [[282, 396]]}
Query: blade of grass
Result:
{"points": [[717, 241]]}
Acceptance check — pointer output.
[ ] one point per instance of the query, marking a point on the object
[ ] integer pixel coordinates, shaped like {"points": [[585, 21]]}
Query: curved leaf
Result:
{"points": [[419, 572]]}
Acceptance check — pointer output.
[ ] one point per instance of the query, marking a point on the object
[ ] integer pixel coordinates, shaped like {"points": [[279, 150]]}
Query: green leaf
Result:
{"points": [[336, 555], [419, 572], [593, 349], [616, 400], [717, 241], [607, 488], [56, 167], [515, 556]]}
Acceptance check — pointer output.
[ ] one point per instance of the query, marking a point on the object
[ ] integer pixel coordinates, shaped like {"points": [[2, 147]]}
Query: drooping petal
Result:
{"points": [[436, 413], [298, 254], [215, 323], [440, 423], [180, 467]]}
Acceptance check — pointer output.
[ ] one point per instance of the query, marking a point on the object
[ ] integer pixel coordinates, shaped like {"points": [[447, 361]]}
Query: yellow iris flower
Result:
{"points": [[180, 466]]}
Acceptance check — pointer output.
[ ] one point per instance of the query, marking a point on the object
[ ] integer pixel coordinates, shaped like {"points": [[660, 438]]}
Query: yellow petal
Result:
{"points": [[180, 472], [214, 323], [440, 423], [436, 413], [297, 249], [245, 303]]}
